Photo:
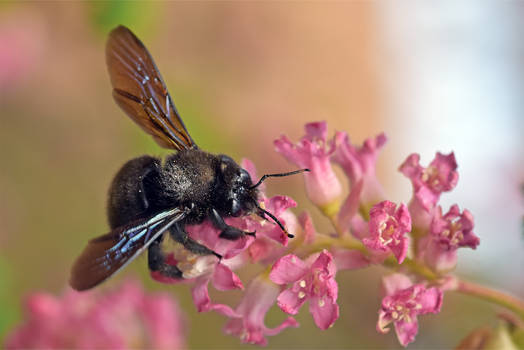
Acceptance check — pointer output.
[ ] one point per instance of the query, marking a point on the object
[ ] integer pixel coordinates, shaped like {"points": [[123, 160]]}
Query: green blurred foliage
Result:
{"points": [[501, 339], [106, 15], [8, 309], [518, 337]]}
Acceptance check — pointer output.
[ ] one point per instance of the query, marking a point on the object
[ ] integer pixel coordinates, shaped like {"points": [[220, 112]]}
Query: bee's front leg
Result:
{"points": [[179, 234], [228, 232]]}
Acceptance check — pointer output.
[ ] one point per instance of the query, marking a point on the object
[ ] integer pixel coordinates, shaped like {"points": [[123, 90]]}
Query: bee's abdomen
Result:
{"points": [[128, 197]]}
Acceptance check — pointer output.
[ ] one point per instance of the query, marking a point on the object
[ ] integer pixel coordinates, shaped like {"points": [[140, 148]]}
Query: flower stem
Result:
{"points": [[327, 242], [335, 225], [510, 302], [413, 266]]}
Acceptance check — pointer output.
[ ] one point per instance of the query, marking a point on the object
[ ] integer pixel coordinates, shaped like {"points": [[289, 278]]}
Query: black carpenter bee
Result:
{"points": [[148, 197]]}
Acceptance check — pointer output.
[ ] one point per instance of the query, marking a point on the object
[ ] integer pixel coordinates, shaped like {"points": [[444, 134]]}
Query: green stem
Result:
{"points": [[335, 225], [510, 302], [326, 242], [413, 267]]}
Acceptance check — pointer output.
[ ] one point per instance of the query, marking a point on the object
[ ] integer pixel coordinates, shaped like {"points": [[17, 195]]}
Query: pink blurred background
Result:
{"points": [[434, 76]]}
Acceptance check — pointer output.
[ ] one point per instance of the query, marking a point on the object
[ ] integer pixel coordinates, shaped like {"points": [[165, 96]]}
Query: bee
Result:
{"points": [[149, 198]]}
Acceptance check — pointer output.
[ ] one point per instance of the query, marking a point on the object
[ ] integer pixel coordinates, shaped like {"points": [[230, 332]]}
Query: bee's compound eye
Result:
{"points": [[235, 208]]}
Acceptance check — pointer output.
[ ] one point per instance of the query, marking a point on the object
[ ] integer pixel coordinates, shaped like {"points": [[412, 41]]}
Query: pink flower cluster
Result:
{"points": [[125, 318], [368, 230]]}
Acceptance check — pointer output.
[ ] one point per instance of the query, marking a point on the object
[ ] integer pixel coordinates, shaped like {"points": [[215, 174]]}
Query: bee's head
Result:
{"points": [[238, 194]]}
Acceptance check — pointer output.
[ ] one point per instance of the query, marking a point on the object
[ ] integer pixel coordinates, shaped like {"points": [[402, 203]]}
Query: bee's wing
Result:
{"points": [[106, 255], [140, 91]]}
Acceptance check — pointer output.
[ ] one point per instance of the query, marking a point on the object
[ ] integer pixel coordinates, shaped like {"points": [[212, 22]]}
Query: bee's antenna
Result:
{"points": [[261, 214], [277, 175]]}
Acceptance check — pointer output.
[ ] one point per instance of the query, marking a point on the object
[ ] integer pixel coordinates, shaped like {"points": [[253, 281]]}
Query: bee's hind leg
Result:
{"points": [[157, 261]]}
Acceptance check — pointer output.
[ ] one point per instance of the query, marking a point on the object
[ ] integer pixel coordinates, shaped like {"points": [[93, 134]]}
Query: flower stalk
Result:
{"points": [[494, 296]]}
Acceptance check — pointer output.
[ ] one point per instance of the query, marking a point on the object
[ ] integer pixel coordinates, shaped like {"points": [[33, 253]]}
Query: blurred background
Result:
{"points": [[434, 76]]}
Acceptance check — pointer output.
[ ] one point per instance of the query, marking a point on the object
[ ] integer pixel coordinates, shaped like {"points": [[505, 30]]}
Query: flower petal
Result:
{"points": [[395, 282], [384, 319], [288, 322], [261, 248], [225, 279], [290, 301], [350, 207], [406, 331], [307, 226], [260, 295], [349, 259], [288, 269], [324, 262], [316, 130], [359, 165], [203, 302], [400, 250], [430, 300], [325, 311]]}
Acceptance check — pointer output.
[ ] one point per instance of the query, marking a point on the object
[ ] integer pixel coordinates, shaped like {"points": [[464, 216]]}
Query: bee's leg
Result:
{"points": [[157, 261], [228, 232], [180, 235]]}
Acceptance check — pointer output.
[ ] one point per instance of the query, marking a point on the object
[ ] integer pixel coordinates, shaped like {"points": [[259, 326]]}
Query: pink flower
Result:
{"points": [[440, 176], [454, 230], [313, 280], [387, 228], [313, 151], [359, 164], [121, 319], [403, 303], [248, 323], [428, 183], [448, 233]]}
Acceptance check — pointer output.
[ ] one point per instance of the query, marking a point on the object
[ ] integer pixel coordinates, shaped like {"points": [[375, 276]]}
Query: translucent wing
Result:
{"points": [[106, 255], [140, 91]]}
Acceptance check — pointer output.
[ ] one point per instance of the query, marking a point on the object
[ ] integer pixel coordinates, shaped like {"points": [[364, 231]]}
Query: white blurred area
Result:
{"points": [[454, 82]]}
